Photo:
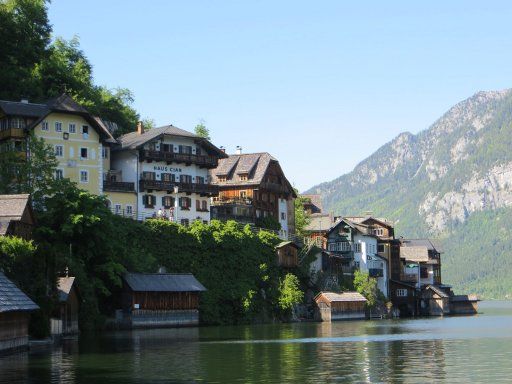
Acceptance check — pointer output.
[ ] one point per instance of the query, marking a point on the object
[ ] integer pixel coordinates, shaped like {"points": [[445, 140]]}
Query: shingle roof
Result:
{"points": [[284, 243], [438, 291], [431, 245], [320, 223], [65, 103], [315, 200], [12, 208], [342, 297], [418, 254], [12, 298], [133, 140], [256, 164], [17, 108], [64, 285], [163, 282]]}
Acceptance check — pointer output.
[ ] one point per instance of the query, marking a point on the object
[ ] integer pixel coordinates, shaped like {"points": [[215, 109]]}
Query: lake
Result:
{"points": [[451, 349]]}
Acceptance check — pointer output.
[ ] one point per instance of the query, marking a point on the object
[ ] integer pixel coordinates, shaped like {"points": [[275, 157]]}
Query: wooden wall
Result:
{"points": [[164, 301], [288, 256], [13, 330]]}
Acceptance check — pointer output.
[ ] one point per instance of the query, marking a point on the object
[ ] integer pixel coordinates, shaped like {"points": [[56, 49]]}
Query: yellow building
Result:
{"points": [[81, 143]]}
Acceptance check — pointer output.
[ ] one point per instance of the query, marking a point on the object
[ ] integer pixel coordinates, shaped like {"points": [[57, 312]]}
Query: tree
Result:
{"points": [[366, 286], [302, 218], [289, 292], [25, 32], [201, 130], [33, 173]]}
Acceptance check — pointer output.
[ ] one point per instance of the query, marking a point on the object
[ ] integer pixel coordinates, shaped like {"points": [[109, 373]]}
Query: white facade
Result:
{"points": [[132, 170], [283, 218], [366, 258]]}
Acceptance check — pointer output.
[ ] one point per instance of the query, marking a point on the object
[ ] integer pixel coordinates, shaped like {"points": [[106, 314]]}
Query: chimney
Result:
{"points": [[238, 150], [223, 149], [24, 100], [140, 128]]}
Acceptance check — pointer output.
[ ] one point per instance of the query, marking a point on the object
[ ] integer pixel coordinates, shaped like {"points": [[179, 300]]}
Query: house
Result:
{"points": [[80, 142], [152, 300], [355, 246], [69, 305], [434, 301], [15, 309], [16, 216], [169, 168], [317, 228], [421, 260], [333, 306], [312, 204], [463, 304], [288, 254], [253, 187], [404, 296]]}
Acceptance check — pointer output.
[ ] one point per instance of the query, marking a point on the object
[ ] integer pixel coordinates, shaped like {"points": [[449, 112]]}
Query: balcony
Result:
{"points": [[203, 161], [14, 133], [118, 186], [202, 189], [220, 201], [376, 272]]}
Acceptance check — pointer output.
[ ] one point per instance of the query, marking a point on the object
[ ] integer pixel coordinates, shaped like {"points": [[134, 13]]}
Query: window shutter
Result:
{"points": [[145, 200]]}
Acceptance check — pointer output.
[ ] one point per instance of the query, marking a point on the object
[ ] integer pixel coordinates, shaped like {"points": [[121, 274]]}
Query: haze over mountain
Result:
{"points": [[452, 181]]}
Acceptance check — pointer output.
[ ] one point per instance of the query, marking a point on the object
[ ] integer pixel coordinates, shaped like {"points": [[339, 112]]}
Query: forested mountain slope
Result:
{"points": [[452, 181]]}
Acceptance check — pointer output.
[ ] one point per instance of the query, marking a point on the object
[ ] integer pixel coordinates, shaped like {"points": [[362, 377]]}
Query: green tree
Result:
{"points": [[366, 286], [302, 218], [25, 32], [289, 292], [201, 130]]}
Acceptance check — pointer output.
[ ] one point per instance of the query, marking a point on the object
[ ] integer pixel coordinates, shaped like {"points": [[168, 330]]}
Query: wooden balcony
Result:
{"points": [[202, 189], [118, 186], [12, 133], [203, 161]]}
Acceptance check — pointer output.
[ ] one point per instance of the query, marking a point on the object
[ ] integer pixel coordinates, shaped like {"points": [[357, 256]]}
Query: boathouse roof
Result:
{"points": [[12, 299], [163, 282]]}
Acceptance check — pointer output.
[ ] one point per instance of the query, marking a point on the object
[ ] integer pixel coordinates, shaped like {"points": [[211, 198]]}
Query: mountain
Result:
{"points": [[452, 181]]}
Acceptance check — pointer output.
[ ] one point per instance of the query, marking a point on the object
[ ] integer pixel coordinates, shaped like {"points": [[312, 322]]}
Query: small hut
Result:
{"points": [[333, 306], [288, 254], [464, 304], [161, 299], [435, 301], [16, 216], [69, 305], [15, 308]]}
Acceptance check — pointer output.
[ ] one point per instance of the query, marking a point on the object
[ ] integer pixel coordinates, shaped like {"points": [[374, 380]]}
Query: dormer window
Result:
{"points": [[222, 179], [243, 177]]}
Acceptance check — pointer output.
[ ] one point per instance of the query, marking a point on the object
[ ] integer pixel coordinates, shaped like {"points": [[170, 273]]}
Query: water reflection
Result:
{"points": [[425, 350]]}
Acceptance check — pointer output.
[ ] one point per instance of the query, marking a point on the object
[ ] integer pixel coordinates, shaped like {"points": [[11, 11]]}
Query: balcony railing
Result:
{"points": [[234, 201], [118, 186], [172, 157], [17, 133], [203, 189]]}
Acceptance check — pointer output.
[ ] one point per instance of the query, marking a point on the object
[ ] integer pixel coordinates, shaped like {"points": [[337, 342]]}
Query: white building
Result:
{"points": [[169, 167]]}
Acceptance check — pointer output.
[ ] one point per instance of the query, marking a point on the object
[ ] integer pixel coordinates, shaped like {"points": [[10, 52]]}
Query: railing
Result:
{"points": [[240, 218], [12, 132], [201, 160], [204, 189], [340, 246], [233, 201], [118, 186]]}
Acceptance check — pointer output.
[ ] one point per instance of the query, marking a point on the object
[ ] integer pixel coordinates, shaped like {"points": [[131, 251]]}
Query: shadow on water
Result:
{"points": [[453, 349]]}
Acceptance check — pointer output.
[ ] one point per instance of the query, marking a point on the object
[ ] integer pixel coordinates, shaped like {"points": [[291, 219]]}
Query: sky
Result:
{"points": [[320, 85]]}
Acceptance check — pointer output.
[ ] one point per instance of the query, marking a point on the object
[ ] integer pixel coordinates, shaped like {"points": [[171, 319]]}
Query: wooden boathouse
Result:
{"points": [[15, 309], [69, 305], [152, 300], [333, 306]]}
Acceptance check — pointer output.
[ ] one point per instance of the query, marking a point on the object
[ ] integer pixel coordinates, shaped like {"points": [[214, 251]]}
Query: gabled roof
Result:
{"points": [[134, 140], [12, 208], [319, 223], [314, 200], [12, 299], [429, 244], [17, 108], [64, 286], [65, 103], [163, 282], [437, 291], [418, 254], [253, 166], [285, 243], [361, 228], [342, 297]]}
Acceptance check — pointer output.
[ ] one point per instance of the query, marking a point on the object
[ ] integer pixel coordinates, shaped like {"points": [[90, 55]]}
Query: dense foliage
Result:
{"points": [[34, 67]]}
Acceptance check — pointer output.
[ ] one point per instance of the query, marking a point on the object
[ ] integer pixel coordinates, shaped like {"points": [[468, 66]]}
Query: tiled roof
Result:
{"points": [[319, 223], [13, 206], [12, 298], [65, 103], [418, 254], [431, 245], [315, 200], [163, 282], [17, 108], [64, 285], [342, 297]]}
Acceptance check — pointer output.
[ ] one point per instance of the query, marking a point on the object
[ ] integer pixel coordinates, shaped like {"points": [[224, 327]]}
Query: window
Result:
{"points": [[186, 179], [169, 177], [185, 203], [104, 153], [58, 126], [167, 147], [17, 123], [187, 149], [148, 175], [44, 126], [129, 210], [222, 179], [198, 151], [84, 176], [378, 231], [243, 177], [72, 128], [199, 180], [243, 194], [380, 248], [59, 174], [149, 201], [283, 216], [83, 153], [168, 202], [204, 205], [184, 222], [59, 150], [357, 247], [401, 292], [118, 209], [85, 129], [198, 205]]}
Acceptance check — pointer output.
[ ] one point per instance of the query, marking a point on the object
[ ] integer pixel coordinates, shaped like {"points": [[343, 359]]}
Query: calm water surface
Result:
{"points": [[453, 349]]}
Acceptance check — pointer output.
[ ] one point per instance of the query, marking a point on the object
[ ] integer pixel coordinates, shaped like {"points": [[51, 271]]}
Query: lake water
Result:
{"points": [[452, 349]]}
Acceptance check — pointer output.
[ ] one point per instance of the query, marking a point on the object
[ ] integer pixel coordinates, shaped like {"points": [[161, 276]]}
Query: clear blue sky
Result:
{"points": [[319, 85]]}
